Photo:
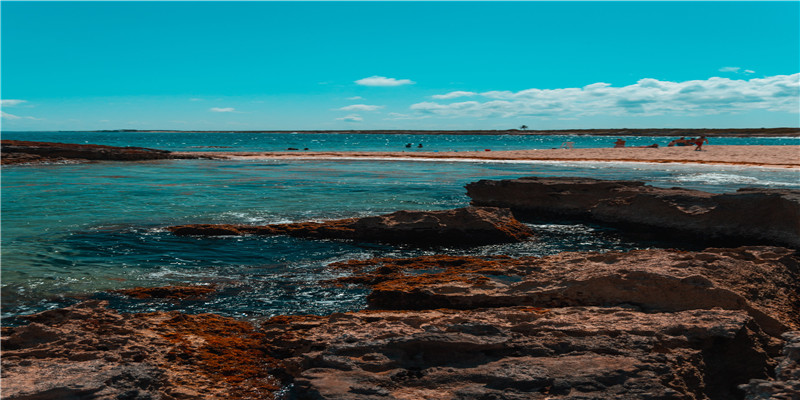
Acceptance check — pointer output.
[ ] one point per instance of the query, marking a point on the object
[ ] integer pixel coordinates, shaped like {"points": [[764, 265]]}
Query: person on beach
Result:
{"points": [[699, 142], [619, 143]]}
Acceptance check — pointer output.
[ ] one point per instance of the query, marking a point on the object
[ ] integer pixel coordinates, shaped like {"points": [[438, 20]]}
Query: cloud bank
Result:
{"points": [[222, 109], [646, 97], [383, 81]]}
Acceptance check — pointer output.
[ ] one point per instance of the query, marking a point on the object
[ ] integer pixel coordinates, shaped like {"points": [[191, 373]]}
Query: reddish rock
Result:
{"points": [[462, 226], [749, 216], [25, 152], [89, 351]]}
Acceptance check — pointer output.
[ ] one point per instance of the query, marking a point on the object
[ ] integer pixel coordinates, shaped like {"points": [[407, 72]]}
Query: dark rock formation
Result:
{"points": [[167, 292], [659, 324], [763, 216], [462, 226], [24, 152]]}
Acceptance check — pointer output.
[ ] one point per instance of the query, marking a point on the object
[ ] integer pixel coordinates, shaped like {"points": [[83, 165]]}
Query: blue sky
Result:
{"points": [[398, 65]]}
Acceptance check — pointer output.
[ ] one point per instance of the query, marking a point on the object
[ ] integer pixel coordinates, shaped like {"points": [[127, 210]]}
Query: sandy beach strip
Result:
{"points": [[762, 156]]}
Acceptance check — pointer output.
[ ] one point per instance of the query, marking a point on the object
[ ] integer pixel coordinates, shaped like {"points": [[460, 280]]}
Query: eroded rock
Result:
{"points": [[89, 351], [459, 227], [522, 353], [763, 216], [762, 281]]}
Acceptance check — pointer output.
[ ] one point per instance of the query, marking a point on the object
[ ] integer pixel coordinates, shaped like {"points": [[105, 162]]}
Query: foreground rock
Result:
{"points": [[460, 227], [761, 281], [90, 352], [658, 324], [764, 216], [25, 152]]}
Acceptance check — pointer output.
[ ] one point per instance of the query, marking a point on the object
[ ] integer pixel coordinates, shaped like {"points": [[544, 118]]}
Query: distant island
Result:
{"points": [[738, 132]]}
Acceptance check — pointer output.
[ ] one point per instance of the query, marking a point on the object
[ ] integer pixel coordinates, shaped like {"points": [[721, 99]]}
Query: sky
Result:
{"points": [[398, 65]]}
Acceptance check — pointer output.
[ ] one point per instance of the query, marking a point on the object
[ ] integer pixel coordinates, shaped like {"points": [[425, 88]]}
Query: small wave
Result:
{"points": [[729, 179]]}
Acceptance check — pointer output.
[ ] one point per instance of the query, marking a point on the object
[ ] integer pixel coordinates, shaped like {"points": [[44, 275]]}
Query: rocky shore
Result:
{"points": [[721, 323], [26, 152], [644, 324], [763, 216]]}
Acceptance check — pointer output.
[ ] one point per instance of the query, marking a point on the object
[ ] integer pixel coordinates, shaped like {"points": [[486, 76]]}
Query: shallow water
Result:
{"points": [[74, 230], [212, 141]]}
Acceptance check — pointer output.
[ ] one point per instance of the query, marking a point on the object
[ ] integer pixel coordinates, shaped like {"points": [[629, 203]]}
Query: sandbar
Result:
{"points": [[787, 156]]}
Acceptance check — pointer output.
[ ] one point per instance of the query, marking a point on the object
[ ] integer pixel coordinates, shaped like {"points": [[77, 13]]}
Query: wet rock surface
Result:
{"points": [[26, 152], [748, 216], [659, 324], [459, 227]]}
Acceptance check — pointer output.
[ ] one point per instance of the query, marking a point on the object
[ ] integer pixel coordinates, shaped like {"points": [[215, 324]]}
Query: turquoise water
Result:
{"points": [[207, 141], [72, 231]]}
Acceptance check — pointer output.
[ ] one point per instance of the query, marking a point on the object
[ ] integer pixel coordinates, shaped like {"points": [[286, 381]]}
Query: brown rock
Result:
{"points": [[461, 226], [89, 351], [752, 216], [644, 324], [762, 281], [523, 353]]}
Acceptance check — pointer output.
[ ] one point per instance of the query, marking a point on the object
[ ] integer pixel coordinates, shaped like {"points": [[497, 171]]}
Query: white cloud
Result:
{"points": [[398, 116], [11, 102], [222, 109], [195, 99], [749, 71], [351, 118], [383, 81], [646, 97], [361, 107], [453, 95], [355, 98], [729, 69], [6, 115]]}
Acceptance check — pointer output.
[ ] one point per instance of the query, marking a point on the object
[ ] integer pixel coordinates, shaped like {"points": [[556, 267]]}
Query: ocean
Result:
{"points": [[76, 231]]}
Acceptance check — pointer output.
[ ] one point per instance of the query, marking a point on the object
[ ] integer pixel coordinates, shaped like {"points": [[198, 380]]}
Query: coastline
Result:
{"points": [[752, 156], [656, 132]]}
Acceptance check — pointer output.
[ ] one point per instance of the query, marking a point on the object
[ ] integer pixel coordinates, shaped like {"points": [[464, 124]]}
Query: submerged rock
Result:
{"points": [[763, 216], [459, 227], [26, 152], [167, 292]]}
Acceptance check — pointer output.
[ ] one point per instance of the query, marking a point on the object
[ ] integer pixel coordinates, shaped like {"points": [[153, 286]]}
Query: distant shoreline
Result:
{"points": [[738, 132]]}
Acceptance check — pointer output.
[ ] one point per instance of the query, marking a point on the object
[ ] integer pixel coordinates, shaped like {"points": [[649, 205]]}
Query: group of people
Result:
{"points": [[408, 145], [677, 142], [689, 142]]}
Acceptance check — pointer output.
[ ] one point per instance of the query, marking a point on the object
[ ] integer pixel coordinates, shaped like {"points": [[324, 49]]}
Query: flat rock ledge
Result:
{"points": [[459, 227], [26, 152], [748, 216], [649, 324]]}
